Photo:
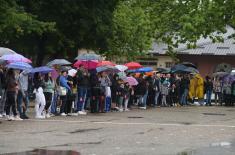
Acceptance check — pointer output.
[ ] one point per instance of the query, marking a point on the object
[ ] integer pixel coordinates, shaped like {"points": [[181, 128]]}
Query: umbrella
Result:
{"points": [[72, 72], [131, 81], [19, 65], [191, 70], [220, 74], [163, 70], [133, 65], [15, 58], [121, 75], [189, 64], [178, 68], [4, 51], [144, 69], [111, 69], [42, 69], [229, 78], [89, 56], [88, 64], [104, 63], [58, 62], [122, 68]]}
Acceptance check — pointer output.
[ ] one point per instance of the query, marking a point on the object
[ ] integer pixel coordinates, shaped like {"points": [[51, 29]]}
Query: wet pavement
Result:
{"points": [[163, 131]]}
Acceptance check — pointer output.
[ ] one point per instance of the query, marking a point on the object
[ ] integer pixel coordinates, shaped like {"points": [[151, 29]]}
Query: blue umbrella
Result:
{"points": [[43, 69], [19, 65], [144, 69]]}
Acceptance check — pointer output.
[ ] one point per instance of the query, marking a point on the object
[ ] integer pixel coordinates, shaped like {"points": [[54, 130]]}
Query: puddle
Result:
{"points": [[44, 152], [84, 130], [217, 148], [135, 117], [216, 114]]}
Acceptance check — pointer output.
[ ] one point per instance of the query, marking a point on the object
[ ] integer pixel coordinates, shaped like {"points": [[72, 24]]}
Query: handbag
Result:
{"points": [[61, 91]]}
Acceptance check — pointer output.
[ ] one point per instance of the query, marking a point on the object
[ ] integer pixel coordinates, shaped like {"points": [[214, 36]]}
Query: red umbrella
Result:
{"points": [[88, 64], [133, 65], [105, 63]]}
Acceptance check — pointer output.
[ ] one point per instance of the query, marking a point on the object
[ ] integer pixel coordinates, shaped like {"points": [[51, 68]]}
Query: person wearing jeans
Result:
{"points": [[208, 89], [83, 82], [156, 85], [23, 95], [184, 89]]}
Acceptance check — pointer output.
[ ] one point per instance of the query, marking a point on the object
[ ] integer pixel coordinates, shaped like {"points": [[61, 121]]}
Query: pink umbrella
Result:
{"points": [[15, 58], [104, 63], [88, 64], [131, 80]]}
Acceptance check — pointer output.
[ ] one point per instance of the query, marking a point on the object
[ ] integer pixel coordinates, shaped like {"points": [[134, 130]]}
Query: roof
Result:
{"points": [[204, 46]]}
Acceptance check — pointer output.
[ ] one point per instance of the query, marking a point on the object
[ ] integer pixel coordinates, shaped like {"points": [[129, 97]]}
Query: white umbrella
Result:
{"points": [[122, 68], [72, 72], [4, 51]]}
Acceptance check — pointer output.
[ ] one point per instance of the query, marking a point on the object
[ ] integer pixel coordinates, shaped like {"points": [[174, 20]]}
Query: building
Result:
{"points": [[207, 56]]}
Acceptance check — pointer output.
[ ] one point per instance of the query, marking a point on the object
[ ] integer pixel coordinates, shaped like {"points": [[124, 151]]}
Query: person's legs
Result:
{"points": [[126, 104], [63, 108], [11, 103], [156, 98], [26, 101], [48, 97], [145, 99], [84, 97], [2, 101], [19, 103]]}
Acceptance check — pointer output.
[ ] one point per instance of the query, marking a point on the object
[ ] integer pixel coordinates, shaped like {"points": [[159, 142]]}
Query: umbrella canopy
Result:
{"points": [[122, 75], [178, 68], [59, 62], [4, 51], [189, 64], [163, 70], [89, 56], [220, 74], [131, 81], [42, 69], [144, 69], [191, 70], [133, 65], [72, 72], [88, 64], [122, 68], [229, 78], [104, 63], [110, 69], [15, 58], [19, 66]]}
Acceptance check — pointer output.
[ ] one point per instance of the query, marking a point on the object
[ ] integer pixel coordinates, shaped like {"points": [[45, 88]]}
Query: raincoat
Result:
{"points": [[200, 87], [192, 88]]}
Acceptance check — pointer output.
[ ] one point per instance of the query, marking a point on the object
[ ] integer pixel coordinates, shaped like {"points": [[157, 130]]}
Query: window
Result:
{"points": [[169, 64]]}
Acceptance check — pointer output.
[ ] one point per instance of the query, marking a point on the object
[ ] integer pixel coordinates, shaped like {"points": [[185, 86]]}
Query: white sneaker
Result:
{"points": [[127, 110], [82, 113], [75, 114], [48, 115], [63, 114], [17, 118], [120, 109], [143, 108], [1, 116], [8, 118]]}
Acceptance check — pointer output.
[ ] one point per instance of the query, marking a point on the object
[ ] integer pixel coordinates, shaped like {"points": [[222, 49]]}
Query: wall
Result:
{"points": [[205, 63]]}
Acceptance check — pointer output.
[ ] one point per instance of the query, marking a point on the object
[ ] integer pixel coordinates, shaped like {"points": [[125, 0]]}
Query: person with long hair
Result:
{"points": [[11, 92], [49, 86]]}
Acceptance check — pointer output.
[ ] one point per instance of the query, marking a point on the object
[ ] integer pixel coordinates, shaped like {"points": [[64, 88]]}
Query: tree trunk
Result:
{"points": [[41, 50]]}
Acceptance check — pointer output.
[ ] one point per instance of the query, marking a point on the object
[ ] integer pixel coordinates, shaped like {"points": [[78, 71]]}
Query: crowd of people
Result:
{"points": [[104, 92]]}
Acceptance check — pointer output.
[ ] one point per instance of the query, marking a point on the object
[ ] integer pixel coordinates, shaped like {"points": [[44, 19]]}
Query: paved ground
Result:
{"points": [[178, 131]]}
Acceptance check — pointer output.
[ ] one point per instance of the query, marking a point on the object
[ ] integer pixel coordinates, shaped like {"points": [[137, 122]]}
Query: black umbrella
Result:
{"points": [[178, 68], [189, 64], [163, 70]]}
